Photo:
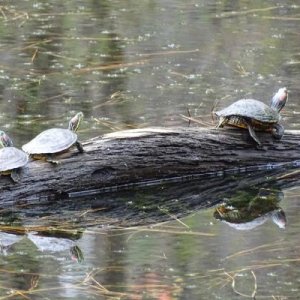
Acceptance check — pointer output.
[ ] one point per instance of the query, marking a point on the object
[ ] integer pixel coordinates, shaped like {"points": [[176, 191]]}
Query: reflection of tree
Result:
{"points": [[35, 83], [114, 257], [117, 82], [120, 266], [152, 285], [42, 53], [53, 46]]}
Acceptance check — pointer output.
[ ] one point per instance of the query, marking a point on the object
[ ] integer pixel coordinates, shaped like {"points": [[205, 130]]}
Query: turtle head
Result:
{"points": [[5, 140], [75, 122], [279, 100]]}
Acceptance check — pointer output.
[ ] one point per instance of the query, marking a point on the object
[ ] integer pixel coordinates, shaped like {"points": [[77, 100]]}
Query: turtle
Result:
{"points": [[54, 140], [255, 115], [11, 158]]}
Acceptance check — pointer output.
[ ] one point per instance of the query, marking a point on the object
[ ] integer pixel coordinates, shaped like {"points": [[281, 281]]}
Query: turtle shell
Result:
{"points": [[252, 109], [52, 140], [12, 158]]}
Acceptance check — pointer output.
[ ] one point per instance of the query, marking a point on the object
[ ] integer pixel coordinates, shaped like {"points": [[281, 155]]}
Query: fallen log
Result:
{"points": [[129, 158]]}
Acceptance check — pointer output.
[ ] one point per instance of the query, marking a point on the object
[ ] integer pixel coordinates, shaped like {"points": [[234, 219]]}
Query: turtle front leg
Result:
{"points": [[79, 147], [278, 131], [253, 134], [222, 122]]}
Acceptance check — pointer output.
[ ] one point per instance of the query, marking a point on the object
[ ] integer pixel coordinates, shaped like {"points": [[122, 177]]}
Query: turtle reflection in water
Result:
{"points": [[250, 209], [54, 141], [255, 115], [55, 244], [11, 158]]}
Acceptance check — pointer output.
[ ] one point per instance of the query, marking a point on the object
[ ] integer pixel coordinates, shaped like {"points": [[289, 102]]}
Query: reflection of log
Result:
{"points": [[147, 154], [141, 206]]}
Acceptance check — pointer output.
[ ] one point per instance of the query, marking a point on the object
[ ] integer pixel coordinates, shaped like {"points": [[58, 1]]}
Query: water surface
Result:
{"points": [[129, 64]]}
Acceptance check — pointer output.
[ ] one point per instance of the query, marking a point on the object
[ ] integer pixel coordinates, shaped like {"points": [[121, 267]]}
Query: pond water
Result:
{"points": [[130, 64]]}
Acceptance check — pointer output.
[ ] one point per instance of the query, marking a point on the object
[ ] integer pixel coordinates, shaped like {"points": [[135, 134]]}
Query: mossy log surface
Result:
{"points": [[125, 158]]}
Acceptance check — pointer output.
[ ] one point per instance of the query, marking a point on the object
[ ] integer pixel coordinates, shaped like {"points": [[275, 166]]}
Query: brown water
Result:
{"points": [[129, 64]]}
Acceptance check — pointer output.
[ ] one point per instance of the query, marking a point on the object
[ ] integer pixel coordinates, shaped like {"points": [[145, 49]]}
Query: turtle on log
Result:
{"points": [[54, 140], [11, 158], [255, 115]]}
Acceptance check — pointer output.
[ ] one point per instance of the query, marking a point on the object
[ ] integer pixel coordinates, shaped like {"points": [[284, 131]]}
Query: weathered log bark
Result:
{"points": [[150, 154]]}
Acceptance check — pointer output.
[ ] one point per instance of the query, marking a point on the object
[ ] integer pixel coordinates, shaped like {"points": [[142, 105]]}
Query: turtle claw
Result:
{"points": [[278, 131], [79, 147], [52, 161], [261, 147], [15, 176]]}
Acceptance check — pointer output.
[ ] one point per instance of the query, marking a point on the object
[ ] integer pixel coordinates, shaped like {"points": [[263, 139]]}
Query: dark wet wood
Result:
{"points": [[142, 206], [148, 154]]}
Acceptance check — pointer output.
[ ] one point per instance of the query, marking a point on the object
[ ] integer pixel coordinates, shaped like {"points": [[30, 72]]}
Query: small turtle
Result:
{"points": [[255, 115], [11, 158], [55, 140]]}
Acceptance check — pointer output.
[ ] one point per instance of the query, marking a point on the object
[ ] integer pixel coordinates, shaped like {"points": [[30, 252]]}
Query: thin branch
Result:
{"points": [[110, 67], [255, 285], [247, 251], [240, 293], [245, 12], [173, 217]]}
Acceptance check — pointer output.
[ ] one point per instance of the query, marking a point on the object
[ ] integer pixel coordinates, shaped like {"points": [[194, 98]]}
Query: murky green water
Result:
{"points": [[196, 257], [129, 64]]}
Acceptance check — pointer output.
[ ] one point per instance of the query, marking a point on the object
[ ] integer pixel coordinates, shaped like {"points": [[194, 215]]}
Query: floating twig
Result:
{"points": [[281, 18], [191, 119], [175, 232], [161, 53], [173, 217], [34, 55], [248, 251], [253, 294], [110, 67], [188, 111], [245, 12]]}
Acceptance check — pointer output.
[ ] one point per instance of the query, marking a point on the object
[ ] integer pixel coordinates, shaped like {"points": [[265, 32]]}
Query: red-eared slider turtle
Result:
{"points": [[54, 140], [255, 115], [11, 158]]}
